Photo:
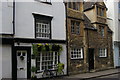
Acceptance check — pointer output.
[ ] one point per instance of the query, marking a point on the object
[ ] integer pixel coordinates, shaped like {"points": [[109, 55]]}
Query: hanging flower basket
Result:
{"points": [[56, 47], [47, 47], [40, 47]]}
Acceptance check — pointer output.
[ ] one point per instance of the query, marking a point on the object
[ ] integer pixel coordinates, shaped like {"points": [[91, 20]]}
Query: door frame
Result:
{"points": [[89, 62], [14, 61]]}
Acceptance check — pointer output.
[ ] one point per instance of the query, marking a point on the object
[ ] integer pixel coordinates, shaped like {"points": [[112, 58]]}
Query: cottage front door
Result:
{"points": [[91, 58], [21, 64]]}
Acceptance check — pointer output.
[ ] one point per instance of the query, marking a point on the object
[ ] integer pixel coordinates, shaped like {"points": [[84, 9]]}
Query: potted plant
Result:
{"points": [[33, 70], [60, 67]]}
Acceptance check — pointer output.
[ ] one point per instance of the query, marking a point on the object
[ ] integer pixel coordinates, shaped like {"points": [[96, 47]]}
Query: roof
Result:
{"points": [[88, 24], [90, 5]]}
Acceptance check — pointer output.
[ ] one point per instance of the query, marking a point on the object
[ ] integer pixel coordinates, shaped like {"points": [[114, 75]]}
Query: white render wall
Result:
{"points": [[0, 61], [112, 13], [7, 18], [6, 61], [25, 25], [116, 56]]}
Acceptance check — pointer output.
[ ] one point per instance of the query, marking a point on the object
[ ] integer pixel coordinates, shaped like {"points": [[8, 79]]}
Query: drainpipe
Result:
{"points": [[88, 50], [66, 37], [13, 17]]}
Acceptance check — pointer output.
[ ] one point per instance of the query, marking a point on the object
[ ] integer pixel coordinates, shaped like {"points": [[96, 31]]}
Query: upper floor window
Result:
{"points": [[77, 53], [43, 27], [75, 27], [100, 11], [102, 52], [101, 31], [74, 5]]}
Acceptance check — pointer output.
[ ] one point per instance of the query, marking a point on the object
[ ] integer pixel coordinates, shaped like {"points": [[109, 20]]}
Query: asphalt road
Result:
{"points": [[108, 77]]}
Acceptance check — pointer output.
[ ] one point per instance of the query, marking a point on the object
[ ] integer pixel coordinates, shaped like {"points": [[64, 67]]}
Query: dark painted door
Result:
{"points": [[23, 62], [91, 58]]}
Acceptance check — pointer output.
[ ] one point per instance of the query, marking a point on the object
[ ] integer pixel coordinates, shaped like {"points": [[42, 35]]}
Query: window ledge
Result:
{"points": [[77, 58], [102, 56], [101, 17], [47, 3], [44, 2]]}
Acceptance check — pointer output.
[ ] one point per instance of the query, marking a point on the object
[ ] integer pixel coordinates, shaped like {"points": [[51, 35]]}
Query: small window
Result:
{"points": [[74, 5], [100, 11], [69, 4], [102, 52], [19, 54], [72, 26], [77, 27], [101, 31], [77, 53]]}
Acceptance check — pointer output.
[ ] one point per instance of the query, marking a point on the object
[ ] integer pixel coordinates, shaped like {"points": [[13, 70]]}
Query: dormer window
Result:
{"points": [[74, 5], [100, 11]]}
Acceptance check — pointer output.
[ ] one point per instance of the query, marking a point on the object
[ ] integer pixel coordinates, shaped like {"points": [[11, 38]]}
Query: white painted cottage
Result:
{"points": [[114, 23], [24, 24]]}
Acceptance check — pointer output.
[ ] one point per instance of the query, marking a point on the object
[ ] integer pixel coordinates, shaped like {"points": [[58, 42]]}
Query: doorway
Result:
{"points": [[91, 58], [22, 64]]}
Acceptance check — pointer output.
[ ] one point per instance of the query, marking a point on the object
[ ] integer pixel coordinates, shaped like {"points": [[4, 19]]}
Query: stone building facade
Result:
{"points": [[89, 38]]}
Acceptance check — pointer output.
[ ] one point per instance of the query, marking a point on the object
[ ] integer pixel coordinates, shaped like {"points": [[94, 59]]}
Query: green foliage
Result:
{"points": [[35, 49], [46, 47], [60, 67], [33, 69]]}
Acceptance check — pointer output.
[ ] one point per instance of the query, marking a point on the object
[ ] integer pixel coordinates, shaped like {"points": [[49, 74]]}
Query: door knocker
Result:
{"points": [[22, 58]]}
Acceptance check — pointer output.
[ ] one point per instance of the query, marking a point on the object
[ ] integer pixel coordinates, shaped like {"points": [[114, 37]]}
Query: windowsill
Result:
{"points": [[77, 59], [102, 56], [41, 38], [74, 10], [44, 2], [47, 3], [101, 17]]}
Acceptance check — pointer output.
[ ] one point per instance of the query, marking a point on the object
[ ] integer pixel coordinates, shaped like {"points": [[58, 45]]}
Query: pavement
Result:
{"points": [[92, 75]]}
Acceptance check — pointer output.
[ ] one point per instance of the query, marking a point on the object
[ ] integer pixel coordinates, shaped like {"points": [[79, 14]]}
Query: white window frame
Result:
{"points": [[42, 30], [102, 52], [76, 53], [51, 54]]}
